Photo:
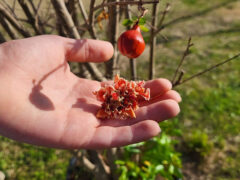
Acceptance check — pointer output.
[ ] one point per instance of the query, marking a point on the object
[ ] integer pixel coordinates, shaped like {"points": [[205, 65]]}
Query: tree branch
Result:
{"points": [[38, 21], [179, 79], [166, 10], [14, 4], [83, 11], [111, 65], [85, 161], [129, 2], [91, 20], [208, 69], [33, 6], [79, 155], [100, 171], [5, 24], [2, 38], [132, 62], [95, 72], [71, 7], [30, 17], [9, 8], [47, 16], [71, 29], [152, 42], [112, 157], [14, 22], [185, 54], [65, 17], [83, 71]]}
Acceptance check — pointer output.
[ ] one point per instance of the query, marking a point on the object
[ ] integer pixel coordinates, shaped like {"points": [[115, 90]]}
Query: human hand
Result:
{"points": [[43, 103]]}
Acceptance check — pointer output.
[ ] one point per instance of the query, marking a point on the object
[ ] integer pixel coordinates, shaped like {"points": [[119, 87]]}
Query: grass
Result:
{"points": [[21, 161]]}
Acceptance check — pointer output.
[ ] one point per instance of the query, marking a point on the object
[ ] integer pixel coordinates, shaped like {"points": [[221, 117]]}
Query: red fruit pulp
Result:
{"points": [[131, 43]]}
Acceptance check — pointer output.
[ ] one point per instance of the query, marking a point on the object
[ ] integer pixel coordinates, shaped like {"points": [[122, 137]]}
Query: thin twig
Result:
{"points": [[197, 14], [65, 17], [185, 54], [125, 3], [14, 22], [91, 20], [112, 156], [112, 65], [83, 11], [152, 43], [48, 15], [33, 6], [2, 38], [179, 78], [164, 13], [38, 20], [5, 24], [100, 170], [97, 75], [86, 27], [71, 7], [132, 62], [120, 3], [11, 9], [29, 15], [14, 5], [142, 9], [79, 158], [85, 161], [39, 5], [147, 23], [208, 69], [72, 165], [83, 71]]}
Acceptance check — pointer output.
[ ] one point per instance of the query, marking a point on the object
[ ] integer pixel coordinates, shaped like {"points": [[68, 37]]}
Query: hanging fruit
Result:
{"points": [[131, 42]]}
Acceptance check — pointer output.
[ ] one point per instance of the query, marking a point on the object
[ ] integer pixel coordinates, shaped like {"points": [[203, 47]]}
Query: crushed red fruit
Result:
{"points": [[121, 99]]}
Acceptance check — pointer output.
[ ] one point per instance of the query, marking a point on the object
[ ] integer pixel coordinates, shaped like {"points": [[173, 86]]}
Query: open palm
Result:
{"points": [[44, 103]]}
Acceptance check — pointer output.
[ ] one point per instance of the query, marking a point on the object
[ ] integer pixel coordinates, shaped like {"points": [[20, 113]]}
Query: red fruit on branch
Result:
{"points": [[131, 43]]}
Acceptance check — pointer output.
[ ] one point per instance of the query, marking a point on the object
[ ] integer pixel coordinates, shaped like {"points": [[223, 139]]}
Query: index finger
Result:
{"points": [[158, 87], [88, 50]]}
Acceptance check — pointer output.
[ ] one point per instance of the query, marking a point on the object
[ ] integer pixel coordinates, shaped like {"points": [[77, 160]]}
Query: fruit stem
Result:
{"points": [[136, 23], [136, 27], [144, 11]]}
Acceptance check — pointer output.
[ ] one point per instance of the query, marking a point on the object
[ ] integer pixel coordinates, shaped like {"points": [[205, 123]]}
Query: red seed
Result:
{"points": [[115, 96], [121, 99]]}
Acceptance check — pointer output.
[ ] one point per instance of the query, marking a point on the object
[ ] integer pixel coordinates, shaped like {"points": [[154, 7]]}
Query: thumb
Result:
{"points": [[88, 50]]}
